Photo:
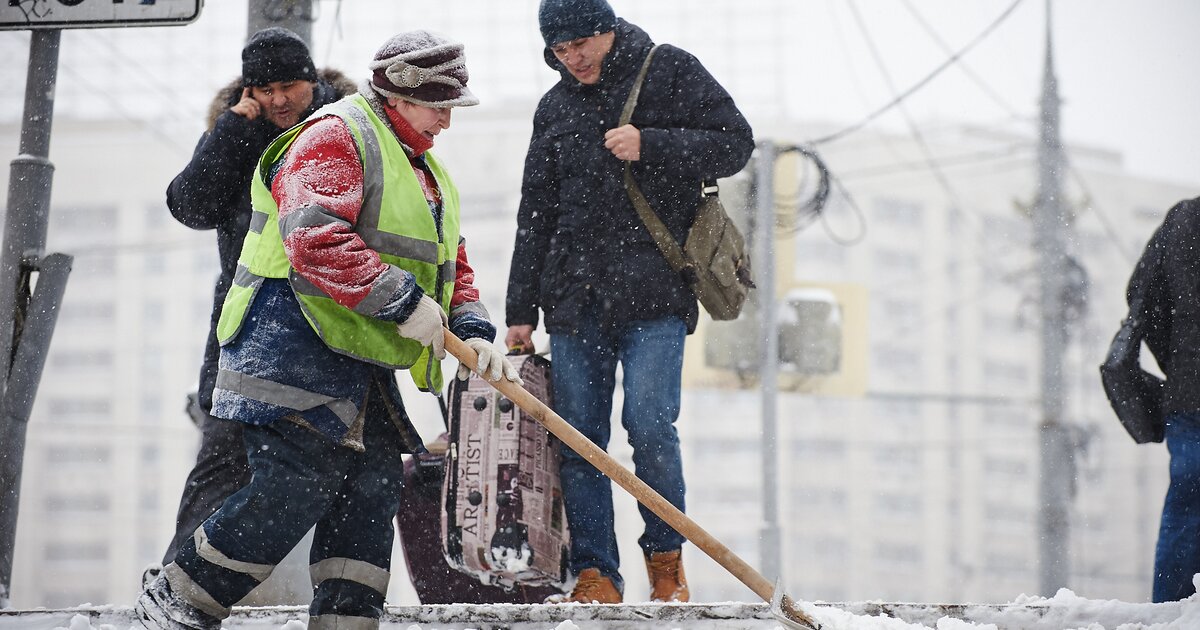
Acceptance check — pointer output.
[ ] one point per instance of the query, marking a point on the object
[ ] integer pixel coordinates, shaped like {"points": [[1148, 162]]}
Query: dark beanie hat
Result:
{"points": [[423, 68], [276, 54], [565, 20]]}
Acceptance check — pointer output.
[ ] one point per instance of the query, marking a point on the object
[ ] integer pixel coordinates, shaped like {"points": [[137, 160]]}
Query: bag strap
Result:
{"points": [[631, 101], [662, 236]]}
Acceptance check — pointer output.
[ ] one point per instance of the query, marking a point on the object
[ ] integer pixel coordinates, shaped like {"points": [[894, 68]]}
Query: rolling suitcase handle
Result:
{"points": [[782, 606]]}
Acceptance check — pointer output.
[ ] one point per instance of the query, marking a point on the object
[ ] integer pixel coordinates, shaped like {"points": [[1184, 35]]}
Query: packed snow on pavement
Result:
{"points": [[1065, 611]]}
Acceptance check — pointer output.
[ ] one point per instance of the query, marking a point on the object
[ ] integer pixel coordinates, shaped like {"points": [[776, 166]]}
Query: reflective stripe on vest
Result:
{"points": [[287, 396], [395, 220]]}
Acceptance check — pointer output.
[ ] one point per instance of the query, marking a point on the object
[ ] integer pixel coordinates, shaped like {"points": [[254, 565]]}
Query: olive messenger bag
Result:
{"points": [[713, 260]]}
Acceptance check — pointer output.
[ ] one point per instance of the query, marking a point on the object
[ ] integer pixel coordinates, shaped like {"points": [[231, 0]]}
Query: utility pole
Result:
{"points": [[1050, 239], [294, 15], [27, 314], [32, 283], [764, 266]]}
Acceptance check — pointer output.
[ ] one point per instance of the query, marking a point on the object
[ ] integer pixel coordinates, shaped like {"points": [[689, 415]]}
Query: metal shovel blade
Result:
{"points": [[785, 610]]}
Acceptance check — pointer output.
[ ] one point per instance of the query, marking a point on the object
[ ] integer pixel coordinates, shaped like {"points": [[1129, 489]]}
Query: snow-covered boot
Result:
{"points": [[667, 582], [159, 608], [150, 573]]}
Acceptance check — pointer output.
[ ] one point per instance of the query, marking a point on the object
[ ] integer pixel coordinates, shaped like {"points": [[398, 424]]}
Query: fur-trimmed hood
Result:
{"points": [[229, 95]]}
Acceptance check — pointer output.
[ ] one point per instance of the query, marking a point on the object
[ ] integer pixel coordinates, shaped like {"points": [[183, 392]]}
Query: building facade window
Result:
{"points": [[78, 409], [896, 212]]}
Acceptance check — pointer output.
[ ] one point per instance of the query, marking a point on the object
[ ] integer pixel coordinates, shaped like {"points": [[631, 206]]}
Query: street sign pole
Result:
{"points": [[25, 224], [28, 314]]}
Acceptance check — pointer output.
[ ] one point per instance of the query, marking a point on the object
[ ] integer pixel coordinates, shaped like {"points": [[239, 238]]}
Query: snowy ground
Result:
{"points": [[1065, 611]]}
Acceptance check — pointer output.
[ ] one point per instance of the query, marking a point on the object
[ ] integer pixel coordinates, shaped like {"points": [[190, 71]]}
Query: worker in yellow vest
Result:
{"points": [[352, 268]]}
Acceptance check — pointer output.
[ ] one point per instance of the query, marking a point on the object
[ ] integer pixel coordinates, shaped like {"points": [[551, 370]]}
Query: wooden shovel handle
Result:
{"points": [[645, 495]]}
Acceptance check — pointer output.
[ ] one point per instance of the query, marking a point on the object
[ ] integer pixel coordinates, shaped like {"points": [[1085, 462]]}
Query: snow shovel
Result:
{"points": [[782, 606]]}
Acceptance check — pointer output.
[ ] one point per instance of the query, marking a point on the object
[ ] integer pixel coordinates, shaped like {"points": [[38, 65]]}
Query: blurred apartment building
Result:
{"points": [[920, 484], [108, 444], [923, 484]]}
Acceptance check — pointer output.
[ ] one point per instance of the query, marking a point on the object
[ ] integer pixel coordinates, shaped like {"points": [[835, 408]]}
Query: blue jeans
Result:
{"points": [[1177, 556], [651, 357]]}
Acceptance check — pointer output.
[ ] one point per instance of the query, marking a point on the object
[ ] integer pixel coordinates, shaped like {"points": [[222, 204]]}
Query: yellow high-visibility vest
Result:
{"points": [[395, 221]]}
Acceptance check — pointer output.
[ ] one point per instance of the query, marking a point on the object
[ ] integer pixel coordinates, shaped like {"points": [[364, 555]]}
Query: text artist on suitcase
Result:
{"points": [[584, 257], [352, 267], [503, 520]]}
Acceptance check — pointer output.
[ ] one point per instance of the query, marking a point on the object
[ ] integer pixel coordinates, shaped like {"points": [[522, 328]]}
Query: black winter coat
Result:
{"points": [[581, 249], [213, 190], [1172, 293]]}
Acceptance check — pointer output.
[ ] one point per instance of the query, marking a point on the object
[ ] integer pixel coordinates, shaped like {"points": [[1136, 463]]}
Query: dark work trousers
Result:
{"points": [[221, 469], [303, 479]]}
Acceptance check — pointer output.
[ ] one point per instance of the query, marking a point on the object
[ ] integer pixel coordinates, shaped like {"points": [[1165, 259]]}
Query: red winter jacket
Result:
{"points": [[322, 169]]}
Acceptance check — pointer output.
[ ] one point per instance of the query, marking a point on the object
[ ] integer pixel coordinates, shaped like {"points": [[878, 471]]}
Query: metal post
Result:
{"points": [[294, 15], [25, 225], [18, 401], [764, 267], [1050, 237]]}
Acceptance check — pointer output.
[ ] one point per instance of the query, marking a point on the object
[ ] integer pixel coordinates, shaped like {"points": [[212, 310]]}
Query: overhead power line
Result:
{"points": [[978, 80], [335, 28], [986, 259], [974, 158], [154, 83], [859, 215], [1110, 230], [155, 130], [919, 137], [920, 84]]}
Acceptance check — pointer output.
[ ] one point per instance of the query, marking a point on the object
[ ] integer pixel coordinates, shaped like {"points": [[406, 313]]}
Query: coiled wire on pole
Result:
{"points": [[795, 211]]}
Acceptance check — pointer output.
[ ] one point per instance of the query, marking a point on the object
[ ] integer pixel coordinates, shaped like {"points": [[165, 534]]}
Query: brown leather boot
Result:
{"points": [[667, 581], [593, 588]]}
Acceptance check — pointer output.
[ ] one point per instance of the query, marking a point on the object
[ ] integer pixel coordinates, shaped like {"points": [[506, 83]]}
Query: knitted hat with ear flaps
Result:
{"points": [[276, 54], [565, 20], [423, 68]]}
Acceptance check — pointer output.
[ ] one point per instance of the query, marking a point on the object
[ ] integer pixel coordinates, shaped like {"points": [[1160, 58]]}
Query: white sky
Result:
{"points": [[1126, 68]]}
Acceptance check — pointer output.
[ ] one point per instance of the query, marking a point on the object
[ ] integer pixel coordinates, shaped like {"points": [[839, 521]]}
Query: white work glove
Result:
{"points": [[490, 363], [425, 325]]}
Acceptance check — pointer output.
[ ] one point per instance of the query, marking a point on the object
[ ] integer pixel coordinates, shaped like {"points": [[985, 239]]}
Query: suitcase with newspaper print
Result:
{"points": [[503, 517], [419, 524]]}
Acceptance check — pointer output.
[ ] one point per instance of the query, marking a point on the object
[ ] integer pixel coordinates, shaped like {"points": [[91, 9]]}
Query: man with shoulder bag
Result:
{"points": [[1164, 311], [585, 258]]}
